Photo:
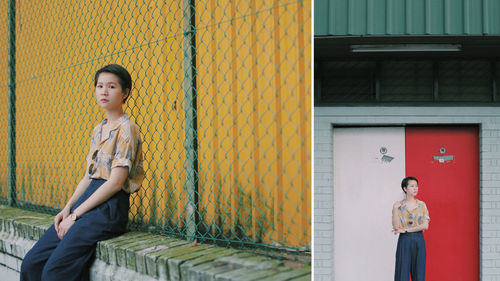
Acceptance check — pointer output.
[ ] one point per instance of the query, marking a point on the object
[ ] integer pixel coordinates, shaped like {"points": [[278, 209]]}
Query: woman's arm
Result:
{"points": [[80, 188], [395, 218], [107, 190], [104, 192], [421, 227]]}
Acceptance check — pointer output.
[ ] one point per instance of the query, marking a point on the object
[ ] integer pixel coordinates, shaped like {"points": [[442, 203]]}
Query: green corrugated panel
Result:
{"points": [[406, 17]]}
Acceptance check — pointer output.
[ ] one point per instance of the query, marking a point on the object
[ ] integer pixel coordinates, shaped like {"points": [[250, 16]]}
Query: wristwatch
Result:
{"points": [[73, 216]]}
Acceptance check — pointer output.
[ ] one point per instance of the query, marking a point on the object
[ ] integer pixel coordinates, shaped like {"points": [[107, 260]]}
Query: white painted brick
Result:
{"points": [[490, 133], [8, 274], [322, 256], [326, 276], [322, 271], [491, 226], [11, 262], [492, 141], [321, 154], [487, 169], [492, 183], [487, 190], [491, 126], [323, 204], [491, 197], [487, 249], [325, 180], [491, 241], [324, 162], [323, 226], [485, 277], [492, 270], [322, 219], [323, 140], [490, 212], [324, 134], [486, 220], [321, 241], [324, 234], [325, 191], [325, 147], [489, 263], [322, 168], [324, 262], [487, 205]]}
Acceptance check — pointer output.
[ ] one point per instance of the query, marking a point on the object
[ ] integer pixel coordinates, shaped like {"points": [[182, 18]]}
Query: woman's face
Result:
{"points": [[412, 188], [109, 92]]}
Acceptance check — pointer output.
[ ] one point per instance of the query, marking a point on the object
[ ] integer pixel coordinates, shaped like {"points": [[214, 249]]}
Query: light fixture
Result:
{"points": [[405, 48]]}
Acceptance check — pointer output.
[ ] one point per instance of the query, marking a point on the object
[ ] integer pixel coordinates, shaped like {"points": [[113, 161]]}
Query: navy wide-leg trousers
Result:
{"points": [[410, 257], [52, 259]]}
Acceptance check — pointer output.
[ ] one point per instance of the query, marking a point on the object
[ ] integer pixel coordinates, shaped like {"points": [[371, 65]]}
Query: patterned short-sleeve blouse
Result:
{"points": [[122, 147], [414, 217]]}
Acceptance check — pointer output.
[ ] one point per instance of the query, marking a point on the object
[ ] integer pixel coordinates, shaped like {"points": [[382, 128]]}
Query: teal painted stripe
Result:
{"points": [[407, 17], [321, 18]]}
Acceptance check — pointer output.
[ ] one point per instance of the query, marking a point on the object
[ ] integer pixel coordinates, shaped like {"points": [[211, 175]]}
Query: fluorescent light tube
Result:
{"points": [[406, 48]]}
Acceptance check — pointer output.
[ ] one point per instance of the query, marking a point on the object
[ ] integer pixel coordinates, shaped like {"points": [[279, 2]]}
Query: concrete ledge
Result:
{"points": [[143, 256]]}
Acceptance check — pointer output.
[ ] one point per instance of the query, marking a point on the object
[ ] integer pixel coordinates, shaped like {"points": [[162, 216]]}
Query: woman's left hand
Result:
{"points": [[398, 231], [64, 227]]}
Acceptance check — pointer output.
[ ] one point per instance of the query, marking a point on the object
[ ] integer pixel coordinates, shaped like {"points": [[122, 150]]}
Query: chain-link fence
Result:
{"points": [[221, 94]]}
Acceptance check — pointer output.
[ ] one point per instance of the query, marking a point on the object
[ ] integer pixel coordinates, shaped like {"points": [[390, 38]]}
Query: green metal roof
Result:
{"points": [[406, 17]]}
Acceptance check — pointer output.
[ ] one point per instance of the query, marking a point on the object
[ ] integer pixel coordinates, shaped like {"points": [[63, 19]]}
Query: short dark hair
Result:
{"points": [[123, 75], [405, 181]]}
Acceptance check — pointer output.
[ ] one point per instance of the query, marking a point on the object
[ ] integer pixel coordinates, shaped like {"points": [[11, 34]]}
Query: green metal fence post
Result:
{"points": [[12, 104], [191, 144]]}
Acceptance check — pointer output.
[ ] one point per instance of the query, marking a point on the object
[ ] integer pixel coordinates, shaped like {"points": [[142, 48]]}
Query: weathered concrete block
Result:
{"points": [[143, 256], [110, 246], [120, 248], [134, 256], [288, 275], [176, 259], [156, 267], [208, 256], [209, 271]]}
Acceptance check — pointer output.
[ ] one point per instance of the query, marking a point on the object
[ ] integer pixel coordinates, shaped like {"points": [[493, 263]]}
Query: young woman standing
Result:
{"points": [[410, 218], [98, 208]]}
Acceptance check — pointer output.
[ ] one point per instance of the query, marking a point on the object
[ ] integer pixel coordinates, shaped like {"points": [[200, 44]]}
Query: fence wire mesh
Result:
{"points": [[221, 94]]}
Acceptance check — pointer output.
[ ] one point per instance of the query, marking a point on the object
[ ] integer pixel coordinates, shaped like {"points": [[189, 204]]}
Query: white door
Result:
{"points": [[369, 164]]}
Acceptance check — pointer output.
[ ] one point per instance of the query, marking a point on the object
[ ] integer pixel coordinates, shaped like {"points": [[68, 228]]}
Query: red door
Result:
{"points": [[445, 159]]}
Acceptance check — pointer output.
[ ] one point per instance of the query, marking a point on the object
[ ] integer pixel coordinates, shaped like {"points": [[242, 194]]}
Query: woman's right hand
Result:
{"points": [[60, 217]]}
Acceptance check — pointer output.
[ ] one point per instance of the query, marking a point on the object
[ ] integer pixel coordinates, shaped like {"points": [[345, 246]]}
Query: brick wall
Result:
{"points": [[488, 119]]}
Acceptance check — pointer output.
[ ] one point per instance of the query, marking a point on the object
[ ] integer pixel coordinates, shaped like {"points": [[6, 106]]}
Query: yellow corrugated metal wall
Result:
{"points": [[253, 107], [255, 134]]}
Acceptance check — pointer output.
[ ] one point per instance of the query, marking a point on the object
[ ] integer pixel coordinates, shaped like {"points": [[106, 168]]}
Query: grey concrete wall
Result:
{"points": [[488, 119]]}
